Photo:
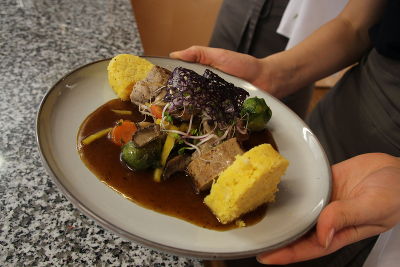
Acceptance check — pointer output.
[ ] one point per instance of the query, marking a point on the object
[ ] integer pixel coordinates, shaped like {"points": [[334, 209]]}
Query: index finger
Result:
{"points": [[305, 248]]}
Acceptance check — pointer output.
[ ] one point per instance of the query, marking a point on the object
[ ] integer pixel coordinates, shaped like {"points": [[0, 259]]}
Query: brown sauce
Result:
{"points": [[175, 196]]}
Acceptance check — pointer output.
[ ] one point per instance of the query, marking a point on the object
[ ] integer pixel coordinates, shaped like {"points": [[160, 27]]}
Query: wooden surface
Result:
{"points": [[170, 25]]}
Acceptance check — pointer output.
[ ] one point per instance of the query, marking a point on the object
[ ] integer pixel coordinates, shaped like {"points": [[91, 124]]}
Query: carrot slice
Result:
{"points": [[156, 111], [122, 132]]}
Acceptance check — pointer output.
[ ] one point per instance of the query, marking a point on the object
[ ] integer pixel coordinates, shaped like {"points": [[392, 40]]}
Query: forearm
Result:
{"points": [[337, 44]]}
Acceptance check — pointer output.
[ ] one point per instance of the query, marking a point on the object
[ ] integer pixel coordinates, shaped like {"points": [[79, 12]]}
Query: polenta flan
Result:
{"points": [[124, 70], [249, 182]]}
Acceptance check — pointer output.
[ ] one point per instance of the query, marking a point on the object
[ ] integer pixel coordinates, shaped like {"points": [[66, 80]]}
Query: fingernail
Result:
{"points": [[263, 260], [329, 238], [173, 54]]}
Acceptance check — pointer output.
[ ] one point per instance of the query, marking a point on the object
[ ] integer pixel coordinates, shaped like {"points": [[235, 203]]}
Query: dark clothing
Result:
{"points": [[361, 114], [250, 28], [385, 35]]}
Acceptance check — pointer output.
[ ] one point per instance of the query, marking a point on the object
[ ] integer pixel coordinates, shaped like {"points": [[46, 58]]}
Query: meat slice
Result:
{"points": [[148, 88], [207, 166]]}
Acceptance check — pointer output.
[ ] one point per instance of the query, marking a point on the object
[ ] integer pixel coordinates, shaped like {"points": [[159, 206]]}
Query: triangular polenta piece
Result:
{"points": [[249, 182], [124, 71]]}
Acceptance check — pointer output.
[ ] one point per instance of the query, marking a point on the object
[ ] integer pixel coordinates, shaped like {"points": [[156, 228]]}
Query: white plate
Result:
{"points": [[304, 190]]}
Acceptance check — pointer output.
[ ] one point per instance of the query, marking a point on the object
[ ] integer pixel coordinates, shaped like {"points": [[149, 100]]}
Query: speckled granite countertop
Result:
{"points": [[41, 41]]}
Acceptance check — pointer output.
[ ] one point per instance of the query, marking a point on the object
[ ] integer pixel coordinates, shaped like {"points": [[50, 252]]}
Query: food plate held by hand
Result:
{"points": [[177, 133], [303, 191]]}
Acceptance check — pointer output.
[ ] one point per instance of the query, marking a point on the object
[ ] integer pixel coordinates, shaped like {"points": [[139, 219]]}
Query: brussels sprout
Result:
{"points": [[141, 158], [257, 112]]}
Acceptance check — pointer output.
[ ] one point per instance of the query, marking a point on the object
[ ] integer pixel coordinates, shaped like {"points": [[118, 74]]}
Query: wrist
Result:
{"points": [[279, 75]]}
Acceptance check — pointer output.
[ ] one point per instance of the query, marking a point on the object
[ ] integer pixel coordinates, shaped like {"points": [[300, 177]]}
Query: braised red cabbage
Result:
{"points": [[190, 92]]}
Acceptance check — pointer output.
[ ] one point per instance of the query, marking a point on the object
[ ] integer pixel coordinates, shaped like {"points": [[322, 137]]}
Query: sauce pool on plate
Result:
{"points": [[174, 196]]}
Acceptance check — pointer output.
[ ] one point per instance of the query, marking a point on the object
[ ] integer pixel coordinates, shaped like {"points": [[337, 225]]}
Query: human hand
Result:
{"points": [[365, 202], [254, 70]]}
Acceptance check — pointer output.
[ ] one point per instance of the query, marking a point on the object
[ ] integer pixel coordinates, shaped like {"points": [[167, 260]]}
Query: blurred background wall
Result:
{"points": [[169, 25]]}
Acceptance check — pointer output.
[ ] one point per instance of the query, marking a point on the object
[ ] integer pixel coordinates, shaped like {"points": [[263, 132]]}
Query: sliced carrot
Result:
{"points": [[156, 111], [122, 132]]}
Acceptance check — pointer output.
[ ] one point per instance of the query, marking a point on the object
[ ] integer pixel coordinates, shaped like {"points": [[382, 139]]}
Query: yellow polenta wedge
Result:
{"points": [[124, 71], [249, 182]]}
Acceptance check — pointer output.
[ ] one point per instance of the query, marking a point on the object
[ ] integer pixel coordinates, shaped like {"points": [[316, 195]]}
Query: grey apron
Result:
{"points": [[361, 114], [250, 27]]}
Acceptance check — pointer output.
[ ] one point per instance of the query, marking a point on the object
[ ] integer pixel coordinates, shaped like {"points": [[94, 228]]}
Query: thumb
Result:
{"points": [[241, 65], [199, 54], [341, 219]]}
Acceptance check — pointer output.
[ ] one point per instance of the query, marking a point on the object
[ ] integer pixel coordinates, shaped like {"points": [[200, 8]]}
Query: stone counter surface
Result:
{"points": [[41, 41]]}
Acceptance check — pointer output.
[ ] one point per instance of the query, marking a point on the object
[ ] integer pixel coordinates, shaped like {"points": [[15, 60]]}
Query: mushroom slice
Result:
{"points": [[176, 164], [145, 135]]}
